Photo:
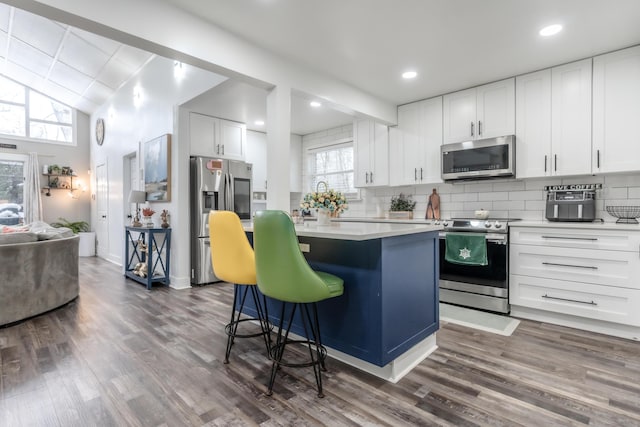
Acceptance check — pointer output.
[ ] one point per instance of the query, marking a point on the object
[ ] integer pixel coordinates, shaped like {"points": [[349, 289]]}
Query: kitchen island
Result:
{"points": [[385, 322]]}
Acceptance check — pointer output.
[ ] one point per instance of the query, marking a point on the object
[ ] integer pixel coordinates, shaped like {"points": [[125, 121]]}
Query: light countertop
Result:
{"points": [[345, 230], [576, 225]]}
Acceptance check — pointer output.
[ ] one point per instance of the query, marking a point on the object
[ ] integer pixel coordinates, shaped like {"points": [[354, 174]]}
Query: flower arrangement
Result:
{"points": [[148, 212], [402, 203], [330, 199]]}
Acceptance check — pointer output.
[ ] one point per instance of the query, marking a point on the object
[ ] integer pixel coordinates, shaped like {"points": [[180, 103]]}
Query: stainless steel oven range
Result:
{"points": [[480, 287]]}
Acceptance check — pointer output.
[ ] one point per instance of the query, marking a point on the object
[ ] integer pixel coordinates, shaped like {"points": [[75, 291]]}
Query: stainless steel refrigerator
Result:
{"points": [[216, 184]]}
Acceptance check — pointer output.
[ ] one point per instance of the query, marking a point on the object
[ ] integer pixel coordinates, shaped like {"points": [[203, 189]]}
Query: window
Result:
{"points": [[27, 113], [334, 165], [12, 171]]}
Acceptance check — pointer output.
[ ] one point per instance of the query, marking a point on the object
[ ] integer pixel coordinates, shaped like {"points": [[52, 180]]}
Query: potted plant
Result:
{"points": [[87, 245], [402, 206]]}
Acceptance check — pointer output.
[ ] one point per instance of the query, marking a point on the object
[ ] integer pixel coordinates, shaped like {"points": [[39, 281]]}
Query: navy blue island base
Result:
{"points": [[390, 300]]}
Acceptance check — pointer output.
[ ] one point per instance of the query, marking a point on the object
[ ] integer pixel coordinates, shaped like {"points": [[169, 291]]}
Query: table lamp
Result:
{"points": [[137, 197]]}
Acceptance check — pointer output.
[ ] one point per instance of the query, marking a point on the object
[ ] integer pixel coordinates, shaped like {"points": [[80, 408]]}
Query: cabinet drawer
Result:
{"points": [[610, 268], [612, 240], [618, 305]]}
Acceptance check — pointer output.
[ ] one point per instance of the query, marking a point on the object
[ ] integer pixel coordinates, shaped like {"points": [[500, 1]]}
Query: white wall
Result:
{"points": [[127, 127], [59, 204]]}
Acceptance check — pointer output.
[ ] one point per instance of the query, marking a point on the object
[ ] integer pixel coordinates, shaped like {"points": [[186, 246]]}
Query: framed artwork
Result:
{"points": [[157, 169]]}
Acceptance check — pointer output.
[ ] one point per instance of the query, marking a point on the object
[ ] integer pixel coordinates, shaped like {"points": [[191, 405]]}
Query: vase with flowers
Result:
{"points": [[327, 203], [147, 213]]}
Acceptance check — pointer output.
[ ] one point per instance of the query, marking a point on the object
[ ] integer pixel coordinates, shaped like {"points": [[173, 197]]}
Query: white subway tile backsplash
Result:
{"points": [[464, 197], [478, 188], [631, 180], [508, 186], [511, 205], [634, 192], [496, 195], [535, 205], [526, 195], [615, 192]]}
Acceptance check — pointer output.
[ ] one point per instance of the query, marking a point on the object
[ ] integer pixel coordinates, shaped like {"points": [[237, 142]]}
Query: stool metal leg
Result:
{"points": [[315, 363], [240, 293]]}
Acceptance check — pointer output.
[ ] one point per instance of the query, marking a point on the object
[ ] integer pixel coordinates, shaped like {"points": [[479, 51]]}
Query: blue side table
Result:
{"points": [[150, 246]]}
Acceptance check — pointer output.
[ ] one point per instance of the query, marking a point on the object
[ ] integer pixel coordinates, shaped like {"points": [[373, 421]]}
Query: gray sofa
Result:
{"points": [[36, 276]]}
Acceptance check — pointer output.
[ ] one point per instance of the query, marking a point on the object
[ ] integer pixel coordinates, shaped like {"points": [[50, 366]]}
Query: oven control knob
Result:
{"points": [[436, 222], [445, 223], [498, 224], [487, 224]]}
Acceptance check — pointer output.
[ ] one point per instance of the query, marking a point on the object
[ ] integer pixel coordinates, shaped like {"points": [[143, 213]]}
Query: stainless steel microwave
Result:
{"points": [[484, 158]]}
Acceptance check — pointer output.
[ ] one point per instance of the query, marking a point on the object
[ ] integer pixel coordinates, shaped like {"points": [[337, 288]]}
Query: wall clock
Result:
{"points": [[100, 131]]}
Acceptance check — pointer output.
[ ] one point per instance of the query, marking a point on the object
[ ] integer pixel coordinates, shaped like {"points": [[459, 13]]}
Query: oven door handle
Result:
{"points": [[490, 237]]}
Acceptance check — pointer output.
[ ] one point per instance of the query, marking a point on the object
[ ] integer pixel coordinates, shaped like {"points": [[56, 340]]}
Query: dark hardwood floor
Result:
{"points": [[121, 355]]}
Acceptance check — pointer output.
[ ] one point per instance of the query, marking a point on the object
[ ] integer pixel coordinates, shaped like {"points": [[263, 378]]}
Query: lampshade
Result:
{"points": [[137, 196]]}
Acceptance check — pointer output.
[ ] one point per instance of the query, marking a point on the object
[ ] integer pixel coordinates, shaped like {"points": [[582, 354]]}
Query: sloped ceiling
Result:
{"points": [[73, 66]]}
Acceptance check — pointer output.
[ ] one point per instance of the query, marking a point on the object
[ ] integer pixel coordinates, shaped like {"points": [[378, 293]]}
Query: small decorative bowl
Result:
{"points": [[482, 214]]}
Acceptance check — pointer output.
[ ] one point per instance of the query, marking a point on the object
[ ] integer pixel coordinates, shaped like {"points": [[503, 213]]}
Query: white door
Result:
{"points": [[495, 109], [533, 124], [460, 116], [102, 220], [616, 110], [571, 123]]}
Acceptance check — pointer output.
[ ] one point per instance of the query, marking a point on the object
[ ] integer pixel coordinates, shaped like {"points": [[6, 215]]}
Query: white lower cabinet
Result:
{"points": [[582, 272]]}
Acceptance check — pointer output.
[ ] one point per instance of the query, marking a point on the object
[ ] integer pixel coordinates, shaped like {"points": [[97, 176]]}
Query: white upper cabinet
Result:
{"points": [[553, 121], [202, 135], [371, 147], [414, 152], [533, 124], [233, 140], [215, 137], [571, 120], [616, 110], [482, 112]]}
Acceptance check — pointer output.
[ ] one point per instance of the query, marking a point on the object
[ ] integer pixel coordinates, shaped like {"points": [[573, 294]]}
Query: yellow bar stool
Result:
{"points": [[234, 262], [283, 274]]}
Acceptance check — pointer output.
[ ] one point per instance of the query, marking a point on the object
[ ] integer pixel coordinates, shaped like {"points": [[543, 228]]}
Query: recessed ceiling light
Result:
{"points": [[259, 123], [315, 104], [409, 75], [550, 30]]}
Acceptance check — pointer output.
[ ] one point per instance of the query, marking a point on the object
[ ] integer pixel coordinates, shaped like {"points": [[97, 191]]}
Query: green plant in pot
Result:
{"points": [[76, 226], [402, 206]]}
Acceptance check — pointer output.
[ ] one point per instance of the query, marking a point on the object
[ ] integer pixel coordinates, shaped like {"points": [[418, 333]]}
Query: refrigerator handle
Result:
{"points": [[226, 192], [232, 194]]}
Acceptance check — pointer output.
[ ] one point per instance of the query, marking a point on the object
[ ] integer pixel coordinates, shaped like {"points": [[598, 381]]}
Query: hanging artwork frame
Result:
{"points": [[157, 169]]}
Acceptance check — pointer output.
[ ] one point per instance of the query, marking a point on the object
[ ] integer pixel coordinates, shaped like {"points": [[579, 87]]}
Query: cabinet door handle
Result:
{"points": [[570, 300], [217, 148], [590, 239], [545, 162], [479, 128], [223, 149], [471, 128], [588, 267], [265, 184], [415, 174], [598, 158], [421, 174], [366, 177], [555, 160], [370, 177]]}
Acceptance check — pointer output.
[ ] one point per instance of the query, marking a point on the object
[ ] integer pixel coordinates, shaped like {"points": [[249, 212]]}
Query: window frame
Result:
{"points": [[13, 157], [313, 149], [27, 119]]}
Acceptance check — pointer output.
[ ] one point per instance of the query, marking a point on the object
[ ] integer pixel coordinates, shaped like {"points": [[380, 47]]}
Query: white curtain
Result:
{"points": [[32, 200]]}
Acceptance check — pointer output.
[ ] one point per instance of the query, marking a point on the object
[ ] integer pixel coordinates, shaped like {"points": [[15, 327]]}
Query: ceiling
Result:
{"points": [[452, 44], [73, 66]]}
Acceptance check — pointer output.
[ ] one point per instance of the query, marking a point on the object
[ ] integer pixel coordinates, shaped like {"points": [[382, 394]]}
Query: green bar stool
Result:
{"points": [[234, 262], [283, 274]]}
